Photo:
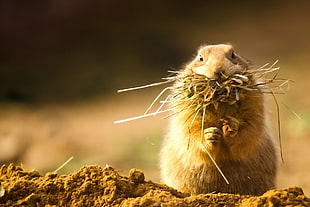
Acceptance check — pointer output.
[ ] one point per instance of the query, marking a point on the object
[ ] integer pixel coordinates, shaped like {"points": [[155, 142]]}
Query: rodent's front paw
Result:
{"points": [[230, 126], [213, 135]]}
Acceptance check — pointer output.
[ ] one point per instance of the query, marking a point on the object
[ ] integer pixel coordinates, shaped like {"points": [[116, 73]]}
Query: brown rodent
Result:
{"points": [[234, 132]]}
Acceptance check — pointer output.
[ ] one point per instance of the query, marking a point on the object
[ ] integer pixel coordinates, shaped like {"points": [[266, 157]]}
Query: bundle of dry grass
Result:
{"points": [[199, 91]]}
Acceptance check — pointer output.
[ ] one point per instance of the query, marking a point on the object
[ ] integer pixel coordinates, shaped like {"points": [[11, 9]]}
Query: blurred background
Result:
{"points": [[61, 63]]}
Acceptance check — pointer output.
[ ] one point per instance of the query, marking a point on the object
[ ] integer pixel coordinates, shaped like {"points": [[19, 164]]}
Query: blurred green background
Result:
{"points": [[61, 63]]}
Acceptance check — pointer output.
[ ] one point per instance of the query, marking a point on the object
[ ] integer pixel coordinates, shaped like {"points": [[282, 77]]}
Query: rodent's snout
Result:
{"points": [[217, 62], [215, 69]]}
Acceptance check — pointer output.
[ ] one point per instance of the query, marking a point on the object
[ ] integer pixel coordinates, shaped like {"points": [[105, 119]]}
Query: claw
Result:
{"points": [[230, 126], [213, 134]]}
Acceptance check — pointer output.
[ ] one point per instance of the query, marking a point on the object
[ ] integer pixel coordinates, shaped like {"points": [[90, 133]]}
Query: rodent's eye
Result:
{"points": [[200, 58], [233, 55]]}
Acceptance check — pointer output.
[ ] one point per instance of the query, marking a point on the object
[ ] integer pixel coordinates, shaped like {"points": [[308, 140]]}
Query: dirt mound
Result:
{"points": [[97, 186]]}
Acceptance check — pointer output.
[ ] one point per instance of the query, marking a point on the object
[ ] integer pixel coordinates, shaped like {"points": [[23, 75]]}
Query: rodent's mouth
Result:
{"points": [[220, 78]]}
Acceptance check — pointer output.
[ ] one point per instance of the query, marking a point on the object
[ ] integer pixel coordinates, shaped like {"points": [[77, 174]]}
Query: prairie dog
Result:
{"points": [[233, 130]]}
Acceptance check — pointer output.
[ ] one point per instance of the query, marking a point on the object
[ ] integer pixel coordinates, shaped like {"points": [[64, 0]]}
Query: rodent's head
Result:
{"points": [[215, 61]]}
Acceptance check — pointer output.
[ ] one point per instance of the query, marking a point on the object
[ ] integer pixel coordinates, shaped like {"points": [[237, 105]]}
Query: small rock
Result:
{"points": [[136, 176]]}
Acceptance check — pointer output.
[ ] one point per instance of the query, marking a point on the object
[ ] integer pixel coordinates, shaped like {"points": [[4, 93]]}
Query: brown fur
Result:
{"points": [[235, 134]]}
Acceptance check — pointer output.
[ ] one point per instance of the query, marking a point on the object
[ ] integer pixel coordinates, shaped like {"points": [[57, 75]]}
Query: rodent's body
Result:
{"points": [[235, 134]]}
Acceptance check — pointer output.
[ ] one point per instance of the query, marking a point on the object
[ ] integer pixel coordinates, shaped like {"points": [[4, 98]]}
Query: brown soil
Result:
{"points": [[97, 186]]}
